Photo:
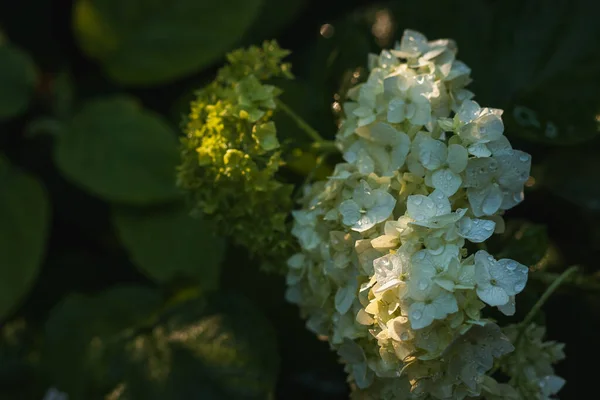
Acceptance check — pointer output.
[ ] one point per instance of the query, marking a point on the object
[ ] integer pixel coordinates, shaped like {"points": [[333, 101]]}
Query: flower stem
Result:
{"points": [[302, 124], [538, 305], [325, 146]]}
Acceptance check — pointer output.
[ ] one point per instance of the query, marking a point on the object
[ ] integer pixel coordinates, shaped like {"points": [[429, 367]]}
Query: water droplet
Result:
{"points": [[483, 130], [429, 205], [488, 227], [511, 266], [423, 284], [440, 205], [490, 258], [419, 217], [420, 255], [418, 201], [518, 197], [417, 314], [519, 286], [524, 158], [404, 336], [449, 176]]}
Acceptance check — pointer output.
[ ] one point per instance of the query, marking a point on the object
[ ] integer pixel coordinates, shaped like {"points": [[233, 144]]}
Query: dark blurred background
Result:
{"points": [[537, 60]]}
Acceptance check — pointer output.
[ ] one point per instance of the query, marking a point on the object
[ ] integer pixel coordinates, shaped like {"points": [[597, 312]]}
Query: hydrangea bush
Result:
{"points": [[393, 268]]}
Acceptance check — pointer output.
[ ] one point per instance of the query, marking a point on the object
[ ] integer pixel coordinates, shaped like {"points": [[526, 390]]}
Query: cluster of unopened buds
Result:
{"points": [[384, 271]]}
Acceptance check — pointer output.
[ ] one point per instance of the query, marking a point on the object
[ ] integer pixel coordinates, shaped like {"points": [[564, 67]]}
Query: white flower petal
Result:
{"points": [[476, 230], [432, 153], [514, 169], [419, 315], [345, 296], [350, 212], [420, 208], [479, 150], [492, 295], [396, 112], [469, 110], [446, 181], [510, 275], [457, 158]]}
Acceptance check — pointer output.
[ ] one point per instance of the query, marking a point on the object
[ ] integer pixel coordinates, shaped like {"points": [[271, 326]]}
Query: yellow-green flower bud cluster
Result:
{"points": [[230, 153], [384, 272]]}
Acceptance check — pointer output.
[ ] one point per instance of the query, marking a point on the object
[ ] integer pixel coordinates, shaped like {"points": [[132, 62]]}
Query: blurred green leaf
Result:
{"points": [[273, 16], [18, 357], [18, 78], [24, 220], [120, 152], [82, 337], [220, 349], [167, 244], [573, 175], [144, 43], [216, 348]]}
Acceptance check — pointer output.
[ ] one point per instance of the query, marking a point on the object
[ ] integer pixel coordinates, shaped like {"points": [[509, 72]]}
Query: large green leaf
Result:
{"points": [[215, 348], [83, 333], [120, 152], [168, 244], [221, 350], [18, 78], [24, 219], [148, 42]]}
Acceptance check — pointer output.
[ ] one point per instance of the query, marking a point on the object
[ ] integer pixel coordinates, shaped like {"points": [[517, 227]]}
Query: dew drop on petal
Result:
{"points": [[524, 158], [423, 284], [404, 336], [511, 266], [417, 314], [418, 201]]}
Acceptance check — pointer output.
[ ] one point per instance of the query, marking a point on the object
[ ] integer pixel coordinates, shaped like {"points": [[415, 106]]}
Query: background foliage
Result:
{"points": [[109, 290]]}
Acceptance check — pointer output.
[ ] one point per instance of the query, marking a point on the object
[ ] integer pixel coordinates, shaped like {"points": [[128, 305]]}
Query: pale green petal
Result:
{"points": [[350, 212], [457, 158], [420, 208], [510, 275], [476, 230], [432, 153], [492, 295], [420, 315], [446, 181], [480, 172], [479, 150], [396, 112], [469, 110], [514, 168]]}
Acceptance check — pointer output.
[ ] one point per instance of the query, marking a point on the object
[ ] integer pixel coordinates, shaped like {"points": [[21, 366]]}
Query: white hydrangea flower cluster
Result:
{"points": [[384, 272], [530, 365]]}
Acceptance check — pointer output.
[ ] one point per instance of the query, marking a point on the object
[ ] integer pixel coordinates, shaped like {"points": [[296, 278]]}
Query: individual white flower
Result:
{"points": [[477, 126], [496, 182], [366, 208], [498, 280], [410, 97], [384, 150], [391, 270]]}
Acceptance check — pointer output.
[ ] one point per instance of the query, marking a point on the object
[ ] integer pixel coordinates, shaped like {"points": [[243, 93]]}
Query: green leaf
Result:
{"points": [[223, 349], [118, 151], [211, 348], [167, 244], [24, 220], [83, 333], [18, 78], [145, 43]]}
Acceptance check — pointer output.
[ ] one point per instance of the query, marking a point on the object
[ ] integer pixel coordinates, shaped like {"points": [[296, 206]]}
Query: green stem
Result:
{"points": [[538, 305], [325, 146], [302, 124]]}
